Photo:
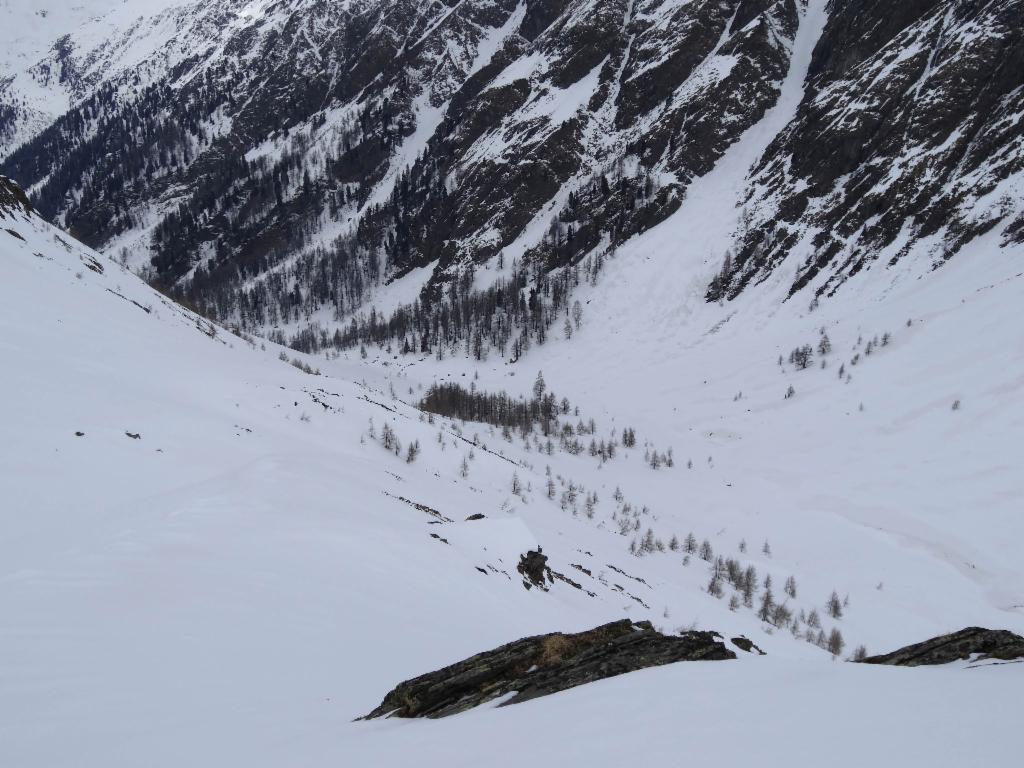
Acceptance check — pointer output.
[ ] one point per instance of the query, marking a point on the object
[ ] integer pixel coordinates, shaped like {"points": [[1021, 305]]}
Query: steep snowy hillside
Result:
{"points": [[209, 555], [909, 144], [53, 53], [287, 167], [868, 438]]}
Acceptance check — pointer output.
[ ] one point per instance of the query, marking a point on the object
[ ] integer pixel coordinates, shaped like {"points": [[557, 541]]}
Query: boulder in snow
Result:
{"points": [[973, 641]]}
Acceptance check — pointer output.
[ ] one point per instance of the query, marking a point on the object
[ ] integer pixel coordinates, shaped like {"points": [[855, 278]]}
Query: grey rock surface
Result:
{"points": [[545, 664], [974, 641]]}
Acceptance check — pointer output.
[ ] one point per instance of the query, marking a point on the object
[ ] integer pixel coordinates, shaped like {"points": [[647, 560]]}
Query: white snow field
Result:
{"points": [[239, 582], [236, 584]]}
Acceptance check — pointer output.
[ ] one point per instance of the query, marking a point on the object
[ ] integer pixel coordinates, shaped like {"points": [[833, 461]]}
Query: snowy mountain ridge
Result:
{"points": [[289, 166], [57, 53]]}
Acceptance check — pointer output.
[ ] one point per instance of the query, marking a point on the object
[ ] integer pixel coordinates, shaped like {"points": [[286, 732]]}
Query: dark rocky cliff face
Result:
{"points": [[244, 153], [983, 644], [906, 143], [276, 166]]}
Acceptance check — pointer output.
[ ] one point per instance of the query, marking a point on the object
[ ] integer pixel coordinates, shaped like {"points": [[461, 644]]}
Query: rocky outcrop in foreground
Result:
{"points": [[985, 643], [545, 664]]}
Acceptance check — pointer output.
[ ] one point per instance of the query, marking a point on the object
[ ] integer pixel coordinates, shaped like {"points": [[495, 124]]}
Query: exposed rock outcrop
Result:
{"points": [[974, 641], [545, 664], [534, 568], [747, 645]]}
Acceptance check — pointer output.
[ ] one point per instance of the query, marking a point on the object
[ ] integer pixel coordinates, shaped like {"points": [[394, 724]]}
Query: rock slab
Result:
{"points": [[998, 644], [545, 664]]}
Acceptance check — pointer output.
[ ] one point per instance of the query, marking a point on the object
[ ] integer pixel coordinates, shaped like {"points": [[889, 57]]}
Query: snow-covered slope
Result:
{"points": [[28, 30], [226, 565], [208, 556], [248, 563], [236, 149], [895, 451], [878, 457], [54, 53]]}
